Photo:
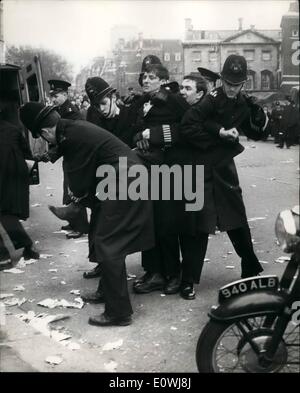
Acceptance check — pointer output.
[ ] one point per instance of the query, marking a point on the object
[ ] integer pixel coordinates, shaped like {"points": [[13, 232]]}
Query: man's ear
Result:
{"points": [[200, 94]]}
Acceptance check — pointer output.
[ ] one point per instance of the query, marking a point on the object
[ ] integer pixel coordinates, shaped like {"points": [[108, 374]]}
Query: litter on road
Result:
{"points": [[19, 288], [55, 360], [46, 256], [14, 301], [53, 303], [6, 295], [13, 270], [113, 345], [111, 366]]}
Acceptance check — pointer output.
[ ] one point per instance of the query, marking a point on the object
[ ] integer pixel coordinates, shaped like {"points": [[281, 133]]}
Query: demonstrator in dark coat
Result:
{"points": [[120, 227]]}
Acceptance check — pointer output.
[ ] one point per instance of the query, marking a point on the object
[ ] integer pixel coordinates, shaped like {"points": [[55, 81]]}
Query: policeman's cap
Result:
{"points": [[208, 74], [234, 70], [32, 115], [97, 88], [58, 86], [148, 60]]}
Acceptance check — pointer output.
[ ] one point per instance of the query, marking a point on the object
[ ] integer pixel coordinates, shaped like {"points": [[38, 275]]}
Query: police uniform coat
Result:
{"points": [[120, 125], [119, 227], [69, 111], [223, 203]]}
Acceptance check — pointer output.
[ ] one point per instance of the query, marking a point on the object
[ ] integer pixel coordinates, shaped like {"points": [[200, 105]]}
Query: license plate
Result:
{"points": [[246, 285]]}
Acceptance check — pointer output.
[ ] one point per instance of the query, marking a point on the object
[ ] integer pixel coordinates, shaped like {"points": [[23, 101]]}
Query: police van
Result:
{"points": [[18, 86]]}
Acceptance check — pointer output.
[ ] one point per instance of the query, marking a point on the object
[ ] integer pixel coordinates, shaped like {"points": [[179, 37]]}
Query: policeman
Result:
{"points": [[59, 97], [217, 121]]}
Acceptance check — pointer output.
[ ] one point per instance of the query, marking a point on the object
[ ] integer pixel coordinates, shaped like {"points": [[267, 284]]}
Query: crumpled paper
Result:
{"points": [[53, 303]]}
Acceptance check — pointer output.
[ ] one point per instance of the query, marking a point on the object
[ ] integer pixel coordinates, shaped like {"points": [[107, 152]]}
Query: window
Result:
{"points": [[295, 33], [196, 56], [167, 57], [249, 54], [266, 55], [250, 84], [212, 56], [177, 56], [232, 52], [266, 80]]}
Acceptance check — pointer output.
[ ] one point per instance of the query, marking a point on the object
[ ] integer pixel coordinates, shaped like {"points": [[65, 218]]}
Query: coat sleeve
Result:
{"points": [[256, 124], [166, 135], [198, 128]]}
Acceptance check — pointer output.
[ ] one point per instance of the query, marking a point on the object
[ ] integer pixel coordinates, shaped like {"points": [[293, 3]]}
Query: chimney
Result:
{"points": [[240, 24]]}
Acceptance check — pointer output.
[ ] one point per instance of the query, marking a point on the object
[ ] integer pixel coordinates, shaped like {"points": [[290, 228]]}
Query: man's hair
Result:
{"points": [[160, 71], [201, 84]]}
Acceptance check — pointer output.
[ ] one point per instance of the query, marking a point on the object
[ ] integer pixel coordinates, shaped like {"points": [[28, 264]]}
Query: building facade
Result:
{"points": [[261, 48], [290, 49], [124, 65]]}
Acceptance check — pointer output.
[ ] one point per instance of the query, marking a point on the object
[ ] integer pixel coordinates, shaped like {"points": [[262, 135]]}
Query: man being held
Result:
{"points": [[59, 96]]}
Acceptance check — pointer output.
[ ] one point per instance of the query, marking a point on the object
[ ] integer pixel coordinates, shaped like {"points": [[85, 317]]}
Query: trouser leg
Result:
{"points": [[80, 222], [115, 289], [169, 246], [152, 259], [242, 243], [16, 231], [193, 250]]}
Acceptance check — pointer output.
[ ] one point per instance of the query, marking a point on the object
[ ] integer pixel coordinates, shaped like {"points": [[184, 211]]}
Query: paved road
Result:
{"points": [[164, 334]]}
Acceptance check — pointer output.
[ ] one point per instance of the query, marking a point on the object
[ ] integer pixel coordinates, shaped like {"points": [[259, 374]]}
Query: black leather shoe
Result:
{"points": [[66, 213], [173, 285], [105, 320], [142, 279], [74, 235], [155, 282], [30, 253], [92, 297], [187, 291], [96, 272]]}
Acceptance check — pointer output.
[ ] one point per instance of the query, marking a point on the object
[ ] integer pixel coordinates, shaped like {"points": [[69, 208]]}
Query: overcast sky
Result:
{"points": [[81, 29]]}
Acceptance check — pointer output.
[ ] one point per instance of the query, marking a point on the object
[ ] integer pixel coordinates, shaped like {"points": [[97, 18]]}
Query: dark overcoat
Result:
{"points": [[69, 111], [119, 227], [223, 203], [14, 178], [163, 120], [120, 125]]}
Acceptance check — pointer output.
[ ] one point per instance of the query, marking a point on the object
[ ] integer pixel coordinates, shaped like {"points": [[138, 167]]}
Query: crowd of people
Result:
{"points": [[196, 122]]}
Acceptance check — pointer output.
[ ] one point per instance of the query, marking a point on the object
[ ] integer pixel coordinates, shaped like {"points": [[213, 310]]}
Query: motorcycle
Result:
{"points": [[255, 328]]}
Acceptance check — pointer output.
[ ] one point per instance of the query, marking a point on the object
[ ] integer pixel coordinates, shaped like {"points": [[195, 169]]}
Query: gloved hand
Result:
{"points": [[42, 157], [257, 114], [143, 145]]}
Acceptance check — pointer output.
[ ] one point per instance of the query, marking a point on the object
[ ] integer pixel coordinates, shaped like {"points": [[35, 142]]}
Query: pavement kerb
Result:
{"points": [[33, 348]]}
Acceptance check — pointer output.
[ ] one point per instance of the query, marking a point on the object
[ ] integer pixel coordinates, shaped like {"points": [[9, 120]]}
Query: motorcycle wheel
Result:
{"points": [[223, 348]]}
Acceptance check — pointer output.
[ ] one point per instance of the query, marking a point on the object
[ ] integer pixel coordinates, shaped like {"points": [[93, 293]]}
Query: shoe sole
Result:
{"points": [[137, 290], [112, 323]]}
